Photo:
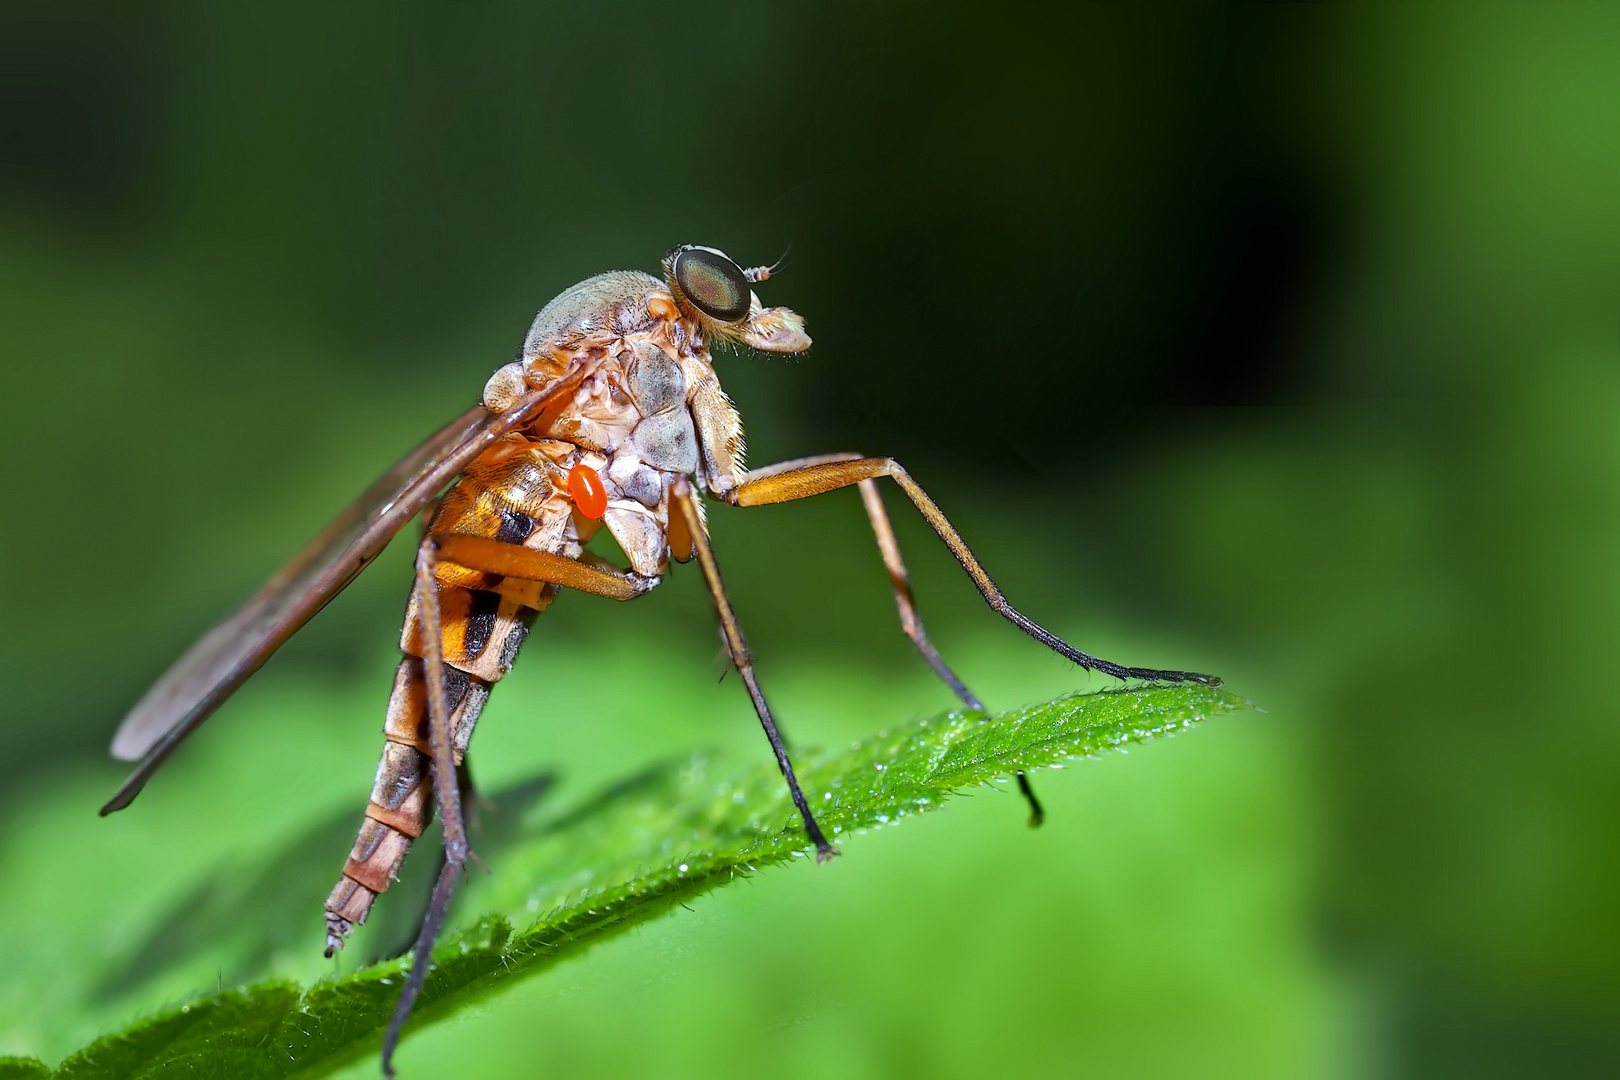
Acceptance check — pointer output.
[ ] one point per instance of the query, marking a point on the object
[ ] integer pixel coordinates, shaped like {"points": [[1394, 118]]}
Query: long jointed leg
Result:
{"points": [[911, 623], [686, 506], [492, 557], [900, 581], [469, 808], [811, 480], [446, 793]]}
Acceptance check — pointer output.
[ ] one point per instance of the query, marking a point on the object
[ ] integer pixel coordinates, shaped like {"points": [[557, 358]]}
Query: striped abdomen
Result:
{"points": [[483, 630]]}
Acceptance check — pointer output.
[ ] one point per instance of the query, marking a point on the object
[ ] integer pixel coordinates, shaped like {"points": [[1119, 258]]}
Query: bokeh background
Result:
{"points": [[1277, 343]]}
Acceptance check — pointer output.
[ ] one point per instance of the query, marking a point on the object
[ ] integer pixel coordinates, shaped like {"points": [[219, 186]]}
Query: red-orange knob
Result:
{"points": [[590, 497]]}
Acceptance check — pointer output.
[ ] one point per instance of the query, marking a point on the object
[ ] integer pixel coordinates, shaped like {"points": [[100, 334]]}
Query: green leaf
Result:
{"points": [[20, 1068], [628, 855]]}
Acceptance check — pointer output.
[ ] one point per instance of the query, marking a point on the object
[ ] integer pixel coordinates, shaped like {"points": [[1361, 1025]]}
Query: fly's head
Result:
{"points": [[713, 291]]}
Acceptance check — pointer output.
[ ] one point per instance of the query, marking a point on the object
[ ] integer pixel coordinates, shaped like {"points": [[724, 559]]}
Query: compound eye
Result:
{"points": [[713, 283]]}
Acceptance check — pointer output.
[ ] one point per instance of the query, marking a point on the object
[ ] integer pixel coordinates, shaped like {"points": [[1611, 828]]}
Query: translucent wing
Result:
{"points": [[223, 659]]}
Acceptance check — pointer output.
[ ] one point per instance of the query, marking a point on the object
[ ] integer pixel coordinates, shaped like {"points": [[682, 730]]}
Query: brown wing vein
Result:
{"points": [[223, 659]]}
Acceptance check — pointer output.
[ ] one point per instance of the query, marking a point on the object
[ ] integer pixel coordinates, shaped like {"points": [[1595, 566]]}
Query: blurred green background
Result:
{"points": [[1283, 344]]}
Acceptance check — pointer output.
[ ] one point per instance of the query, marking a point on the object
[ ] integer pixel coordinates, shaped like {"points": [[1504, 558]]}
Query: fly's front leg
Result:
{"points": [[770, 486], [910, 620], [526, 564], [491, 557], [470, 806], [446, 792], [686, 505]]}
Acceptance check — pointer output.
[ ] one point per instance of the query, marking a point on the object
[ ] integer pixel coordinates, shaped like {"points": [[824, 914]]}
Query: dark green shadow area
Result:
{"points": [[628, 854], [17, 1068], [262, 909]]}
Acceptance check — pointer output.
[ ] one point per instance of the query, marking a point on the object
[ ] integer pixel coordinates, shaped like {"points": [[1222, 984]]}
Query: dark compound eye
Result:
{"points": [[713, 283]]}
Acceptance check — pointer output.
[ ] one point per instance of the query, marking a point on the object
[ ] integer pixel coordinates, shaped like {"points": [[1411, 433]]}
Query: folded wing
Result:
{"points": [[222, 660]]}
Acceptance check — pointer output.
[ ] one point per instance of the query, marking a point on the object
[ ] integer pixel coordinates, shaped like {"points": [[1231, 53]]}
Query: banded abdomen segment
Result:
{"points": [[508, 495], [482, 634]]}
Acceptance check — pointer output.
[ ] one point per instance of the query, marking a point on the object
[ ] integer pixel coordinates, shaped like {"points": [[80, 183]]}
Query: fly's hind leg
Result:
{"points": [[495, 557], [769, 486], [900, 581], [911, 623], [803, 479]]}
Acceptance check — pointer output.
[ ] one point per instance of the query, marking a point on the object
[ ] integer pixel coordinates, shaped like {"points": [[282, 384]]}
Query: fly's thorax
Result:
{"points": [[637, 508], [648, 401], [582, 323], [614, 304], [631, 426]]}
